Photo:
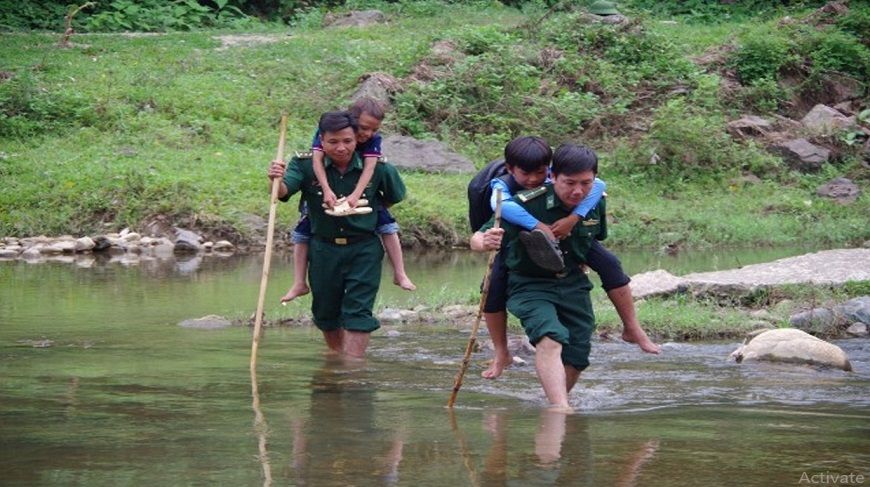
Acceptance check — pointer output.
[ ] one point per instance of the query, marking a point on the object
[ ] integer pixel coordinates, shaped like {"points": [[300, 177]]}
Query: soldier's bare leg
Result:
{"points": [[334, 340], [571, 377], [551, 373], [356, 343]]}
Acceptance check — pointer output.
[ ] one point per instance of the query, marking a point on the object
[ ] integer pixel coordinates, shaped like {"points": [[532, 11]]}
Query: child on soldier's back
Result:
{"points": [[369, 114], [527, 161]]}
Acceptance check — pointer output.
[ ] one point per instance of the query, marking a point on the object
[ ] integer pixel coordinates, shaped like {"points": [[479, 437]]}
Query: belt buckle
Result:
{"points": [[341, 241]]}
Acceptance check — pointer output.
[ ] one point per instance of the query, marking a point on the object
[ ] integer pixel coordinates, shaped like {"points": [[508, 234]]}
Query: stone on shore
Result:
{"points": [[84, 244]]}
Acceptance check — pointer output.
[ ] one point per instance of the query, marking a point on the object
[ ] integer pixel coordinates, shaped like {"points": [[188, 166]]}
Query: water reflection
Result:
{"points": [[561, 452], [342, 442], [261, 430]]}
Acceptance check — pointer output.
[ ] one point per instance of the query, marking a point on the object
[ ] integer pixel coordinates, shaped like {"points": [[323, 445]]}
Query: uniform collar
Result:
{"points": [[553, 200], [355, 161]]}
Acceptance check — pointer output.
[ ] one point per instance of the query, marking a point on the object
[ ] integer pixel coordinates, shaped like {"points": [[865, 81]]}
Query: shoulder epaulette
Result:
{"points": [[304, 154], [531, 194]]}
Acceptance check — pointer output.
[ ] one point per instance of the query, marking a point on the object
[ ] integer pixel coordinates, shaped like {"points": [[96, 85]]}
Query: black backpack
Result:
{"points": [[480, 192]]}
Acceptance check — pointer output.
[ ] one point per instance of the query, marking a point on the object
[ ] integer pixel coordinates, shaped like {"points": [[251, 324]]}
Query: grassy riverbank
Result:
{"points": [[119, 128]]}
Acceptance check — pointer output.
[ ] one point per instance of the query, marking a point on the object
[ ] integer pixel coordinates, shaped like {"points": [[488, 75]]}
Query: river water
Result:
{"points": [[99, 386]]}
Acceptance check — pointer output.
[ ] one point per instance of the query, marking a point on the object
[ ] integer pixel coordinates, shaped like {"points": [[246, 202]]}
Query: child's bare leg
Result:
{"points": [[300, 273], [631, 329], [394, 251], [496, 323]]}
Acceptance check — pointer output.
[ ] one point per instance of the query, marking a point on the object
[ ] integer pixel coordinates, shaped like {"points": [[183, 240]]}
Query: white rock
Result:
{"points": [[50, 249], [8, 254], [857, 329], [223, 245], [31, 253], [131, 237], [84, 244], [794, 346]]}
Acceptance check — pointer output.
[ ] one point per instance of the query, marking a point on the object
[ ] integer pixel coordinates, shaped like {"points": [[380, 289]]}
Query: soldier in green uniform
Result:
{"points": [[554, 307], [344, 261]]}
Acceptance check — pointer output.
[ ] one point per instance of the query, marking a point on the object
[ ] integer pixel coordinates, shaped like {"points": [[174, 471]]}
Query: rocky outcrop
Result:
{"points": [[824, 120], [356, 18], [424, 155], [842, 190], [789, 345], [825, 267], [378, 86], [803, 156]]}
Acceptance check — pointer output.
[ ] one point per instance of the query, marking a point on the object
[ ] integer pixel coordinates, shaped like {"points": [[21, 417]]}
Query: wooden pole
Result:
{"points": [[267, 258], [457, 383]]}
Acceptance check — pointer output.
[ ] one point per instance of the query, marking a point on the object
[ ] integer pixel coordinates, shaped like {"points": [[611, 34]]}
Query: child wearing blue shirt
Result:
{"points": [[369, 114]]}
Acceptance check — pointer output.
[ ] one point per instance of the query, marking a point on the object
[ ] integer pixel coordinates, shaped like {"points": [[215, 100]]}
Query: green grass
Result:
{"points": [[684, 317], [118, 128]]}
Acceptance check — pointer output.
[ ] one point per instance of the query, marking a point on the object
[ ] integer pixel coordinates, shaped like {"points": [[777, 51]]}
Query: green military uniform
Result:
{"points": [[553, 305], [344, 259]]}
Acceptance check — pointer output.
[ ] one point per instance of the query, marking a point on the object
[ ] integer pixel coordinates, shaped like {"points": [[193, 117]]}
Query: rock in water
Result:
{"points": [[793, 346], [209, 322]]}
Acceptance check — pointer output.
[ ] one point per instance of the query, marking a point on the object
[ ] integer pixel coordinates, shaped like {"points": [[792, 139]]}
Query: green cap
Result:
{"points": [[602, 7]]}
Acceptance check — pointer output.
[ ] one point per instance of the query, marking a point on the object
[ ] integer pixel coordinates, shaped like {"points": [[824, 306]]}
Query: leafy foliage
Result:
{"points": [[763, 54], [716, 11]]}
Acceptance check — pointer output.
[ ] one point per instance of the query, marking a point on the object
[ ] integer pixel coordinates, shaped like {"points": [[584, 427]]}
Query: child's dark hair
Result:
{"points": [[573, 159], [528, 152], [335, 121], [369, 106]]}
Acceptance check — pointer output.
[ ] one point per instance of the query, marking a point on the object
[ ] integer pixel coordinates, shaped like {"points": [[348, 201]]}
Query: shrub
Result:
{"points": [[857, 22], [764, 95], [834, 50], [689, 143], [762, 55]]}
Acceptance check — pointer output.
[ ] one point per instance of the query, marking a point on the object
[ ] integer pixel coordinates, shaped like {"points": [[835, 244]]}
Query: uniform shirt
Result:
{"points": [[369, 148], [543, 204], [386, 187]]}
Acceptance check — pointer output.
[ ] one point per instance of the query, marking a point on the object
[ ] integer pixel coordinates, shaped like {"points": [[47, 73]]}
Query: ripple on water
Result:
{"points": [[621, 378]]}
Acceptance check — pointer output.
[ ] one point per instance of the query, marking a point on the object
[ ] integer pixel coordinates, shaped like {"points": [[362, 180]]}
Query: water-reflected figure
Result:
{"points": [[341, 441], [562, 454], [261, 429], [646, 452]]}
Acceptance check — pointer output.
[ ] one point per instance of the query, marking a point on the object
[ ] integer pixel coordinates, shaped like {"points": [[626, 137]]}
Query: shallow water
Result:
{"points": [[98, 386]]}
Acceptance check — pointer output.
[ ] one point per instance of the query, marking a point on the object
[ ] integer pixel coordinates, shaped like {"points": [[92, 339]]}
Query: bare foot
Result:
{"points": [[404, 282], [294, 292], [639, 337], [553, 408], [497, 366]]}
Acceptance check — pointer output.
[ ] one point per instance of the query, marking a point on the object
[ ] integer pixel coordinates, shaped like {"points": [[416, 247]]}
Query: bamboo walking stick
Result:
{"points": [[270, 231], [457, 383]]}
